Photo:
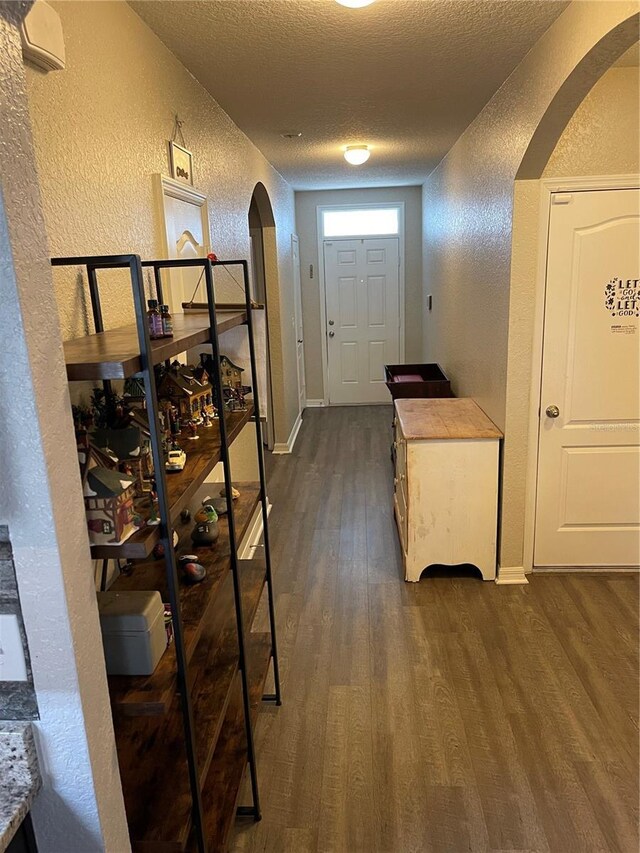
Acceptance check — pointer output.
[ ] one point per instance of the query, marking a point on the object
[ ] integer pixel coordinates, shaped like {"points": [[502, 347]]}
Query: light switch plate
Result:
{"points": [[12, 662]]}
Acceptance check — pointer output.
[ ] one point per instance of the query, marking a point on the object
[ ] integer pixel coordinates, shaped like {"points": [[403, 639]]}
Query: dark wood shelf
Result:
{"points": [[152, 694], [202, 457], [115, 354], [161, 819], [222, 785]]}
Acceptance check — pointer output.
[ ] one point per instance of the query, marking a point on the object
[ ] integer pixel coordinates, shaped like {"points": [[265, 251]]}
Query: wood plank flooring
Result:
{"points": [[445, 716]]}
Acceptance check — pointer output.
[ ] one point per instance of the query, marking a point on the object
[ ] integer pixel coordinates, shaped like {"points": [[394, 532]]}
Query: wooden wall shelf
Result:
{"points": [[151, 695], [115, 354], [184, 734], [202, 457], [161, 819]]}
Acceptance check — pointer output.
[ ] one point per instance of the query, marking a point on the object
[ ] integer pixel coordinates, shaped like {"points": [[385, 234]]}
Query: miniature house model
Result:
{"points": [[108, 498], [231, 373], [130, 451], [189, 394]]}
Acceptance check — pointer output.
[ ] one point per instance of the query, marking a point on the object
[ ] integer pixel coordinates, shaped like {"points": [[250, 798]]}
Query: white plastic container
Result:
{"points": [[133, 632]]}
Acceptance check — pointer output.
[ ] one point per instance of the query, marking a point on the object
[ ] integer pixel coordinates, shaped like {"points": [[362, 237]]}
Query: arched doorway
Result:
{"points": [[532, 203], [263, 262]]}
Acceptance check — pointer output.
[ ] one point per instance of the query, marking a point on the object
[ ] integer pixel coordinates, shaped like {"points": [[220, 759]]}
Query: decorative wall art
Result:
{"points": [[180, 163], [180, 158]]}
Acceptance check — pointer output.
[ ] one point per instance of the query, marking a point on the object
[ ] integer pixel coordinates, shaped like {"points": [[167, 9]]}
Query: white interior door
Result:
{"points": [[297, 296], [363, 317], [588, 511]]}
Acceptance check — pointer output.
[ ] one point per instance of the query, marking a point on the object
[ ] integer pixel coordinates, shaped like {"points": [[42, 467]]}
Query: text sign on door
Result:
{"points": [[622, 297]]}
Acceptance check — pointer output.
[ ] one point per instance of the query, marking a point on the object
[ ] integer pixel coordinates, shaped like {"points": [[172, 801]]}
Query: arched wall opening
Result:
{"points": [[479, 325], [265, 291], [544, 159]]}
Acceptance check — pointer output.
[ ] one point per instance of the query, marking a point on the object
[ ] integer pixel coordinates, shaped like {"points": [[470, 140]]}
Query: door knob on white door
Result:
{"points": [[332, 334], [552, 411]]}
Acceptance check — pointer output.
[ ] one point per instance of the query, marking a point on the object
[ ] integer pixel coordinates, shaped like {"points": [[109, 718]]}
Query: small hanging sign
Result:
{"points": [[180, 158]]}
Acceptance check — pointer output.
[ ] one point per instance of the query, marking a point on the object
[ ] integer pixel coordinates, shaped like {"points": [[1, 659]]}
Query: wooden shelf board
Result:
{"points": [[137, 547], [144, 695], [115, 354], [149, 749], [222, 786], [216, 663], [202, 457]]}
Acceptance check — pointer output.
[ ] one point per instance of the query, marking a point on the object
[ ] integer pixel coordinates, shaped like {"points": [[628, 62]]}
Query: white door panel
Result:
{"points": [[363, 312], [297, 295], [588, 504]]}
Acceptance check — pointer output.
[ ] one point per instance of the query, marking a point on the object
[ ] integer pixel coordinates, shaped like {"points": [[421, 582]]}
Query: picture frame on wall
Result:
{"points": [[180, 163]]}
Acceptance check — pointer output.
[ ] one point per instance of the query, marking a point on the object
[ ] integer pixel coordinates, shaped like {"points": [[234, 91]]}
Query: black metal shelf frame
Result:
{"points": [[135, 266]]}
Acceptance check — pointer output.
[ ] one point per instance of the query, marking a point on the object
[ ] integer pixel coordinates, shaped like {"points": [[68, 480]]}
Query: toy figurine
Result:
{"points": [[235, 494], [176, 459], [206, 530], [193, 429], [206, 514], [206, 418], [185, 515]]}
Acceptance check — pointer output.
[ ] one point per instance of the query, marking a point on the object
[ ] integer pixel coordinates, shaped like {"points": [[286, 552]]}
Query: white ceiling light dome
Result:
{"points": [[355, 4], [357, 154]]}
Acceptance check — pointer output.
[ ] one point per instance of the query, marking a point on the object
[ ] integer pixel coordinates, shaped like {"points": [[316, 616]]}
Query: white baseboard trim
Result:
{"points": [[511, 575], [315, 404], [250, 543], [279, 448]]}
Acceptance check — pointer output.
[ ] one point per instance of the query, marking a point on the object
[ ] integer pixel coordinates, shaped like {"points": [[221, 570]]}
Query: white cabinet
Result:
{"points": [[446, 485]]}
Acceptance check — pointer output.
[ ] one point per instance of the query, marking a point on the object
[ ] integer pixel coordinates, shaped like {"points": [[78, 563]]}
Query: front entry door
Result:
{"points": [[588, 511], [363, 317]]}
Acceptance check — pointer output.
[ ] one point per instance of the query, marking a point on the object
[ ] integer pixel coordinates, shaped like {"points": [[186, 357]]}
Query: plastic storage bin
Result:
{"points": [[133, 632], [411, 381]]}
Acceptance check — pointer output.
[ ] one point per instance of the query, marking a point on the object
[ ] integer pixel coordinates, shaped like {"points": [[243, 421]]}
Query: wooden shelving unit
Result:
{"points": [[184, 733], [115, 353], [181, 486]]}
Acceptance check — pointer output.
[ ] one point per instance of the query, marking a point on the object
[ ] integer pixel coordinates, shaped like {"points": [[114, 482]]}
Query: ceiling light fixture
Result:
{"points": [[355, 4], [357, 154]]}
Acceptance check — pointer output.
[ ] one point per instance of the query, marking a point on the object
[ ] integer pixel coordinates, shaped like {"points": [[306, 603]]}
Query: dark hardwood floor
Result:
{"points": [[446, 716]]}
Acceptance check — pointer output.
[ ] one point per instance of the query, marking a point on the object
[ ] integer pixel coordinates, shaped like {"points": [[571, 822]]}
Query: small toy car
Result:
{"points": [[175, 460]]}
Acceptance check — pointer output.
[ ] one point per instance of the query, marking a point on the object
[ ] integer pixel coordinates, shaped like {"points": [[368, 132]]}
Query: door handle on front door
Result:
{"points": [[331, 322], [552, 411], [332, 334]]}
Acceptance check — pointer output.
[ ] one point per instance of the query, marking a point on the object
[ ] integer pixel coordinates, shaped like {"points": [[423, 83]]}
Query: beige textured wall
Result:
{"points": [[467, 217], [306, 219], [601, 138], [100, 130], [80, 807]]}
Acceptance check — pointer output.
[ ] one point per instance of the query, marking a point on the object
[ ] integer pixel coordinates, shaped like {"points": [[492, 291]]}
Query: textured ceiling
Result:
{"points": [[404, 76]]}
